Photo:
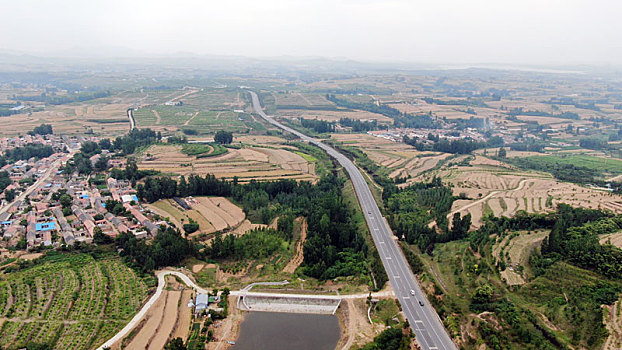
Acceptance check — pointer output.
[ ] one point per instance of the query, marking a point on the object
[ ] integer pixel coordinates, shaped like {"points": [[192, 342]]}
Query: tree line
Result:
{"points": [[361, 125], [455, 146], [31, 150], [63, 99], [168, 248], [400, 120], [319, 126], [334, 245]]}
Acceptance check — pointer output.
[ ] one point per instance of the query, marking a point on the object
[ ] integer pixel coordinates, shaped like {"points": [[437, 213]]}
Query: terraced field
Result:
{"points": [[497, 188], [246, 163], [69, 301]]}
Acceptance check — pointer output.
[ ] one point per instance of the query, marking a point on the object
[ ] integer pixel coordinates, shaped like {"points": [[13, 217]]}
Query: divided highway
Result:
{"points": [[422, 317]]}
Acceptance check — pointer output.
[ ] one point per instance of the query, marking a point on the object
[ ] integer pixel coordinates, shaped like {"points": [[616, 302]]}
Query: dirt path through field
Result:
{"points": [[614, 326], [229, 328], [293, 264], [188, 121], [184, 95], [356, 324], [167, 322], [157, 115]]}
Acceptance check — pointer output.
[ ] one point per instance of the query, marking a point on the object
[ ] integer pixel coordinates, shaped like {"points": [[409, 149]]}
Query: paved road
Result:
{"points": [[130, 116], [423, 320]]}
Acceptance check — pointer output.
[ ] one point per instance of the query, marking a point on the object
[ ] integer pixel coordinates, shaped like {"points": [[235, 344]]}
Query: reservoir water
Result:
{"points": [[282, 331]]}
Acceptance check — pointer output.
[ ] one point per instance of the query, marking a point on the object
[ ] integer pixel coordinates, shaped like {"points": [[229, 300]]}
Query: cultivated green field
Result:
{"points": [[599, 164], [68, 301]]}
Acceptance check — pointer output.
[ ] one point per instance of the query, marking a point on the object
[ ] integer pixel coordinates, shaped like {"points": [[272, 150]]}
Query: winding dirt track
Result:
{"points": [[293, 264]]}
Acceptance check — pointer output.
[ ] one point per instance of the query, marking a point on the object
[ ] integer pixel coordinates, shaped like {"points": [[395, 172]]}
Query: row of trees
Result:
{"points": [[400, 120], [319, 126], [456, 146], [361, 125], [27, 151], [64, 99], [168, 248]]}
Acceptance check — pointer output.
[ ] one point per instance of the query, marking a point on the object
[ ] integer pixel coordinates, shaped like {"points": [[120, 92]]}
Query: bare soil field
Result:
{"points": [[184, 316], [178, 216], [169, 316], [402, 160], [245, 163], [104, 119], [211, 213], [168, 321], [152, 321]]}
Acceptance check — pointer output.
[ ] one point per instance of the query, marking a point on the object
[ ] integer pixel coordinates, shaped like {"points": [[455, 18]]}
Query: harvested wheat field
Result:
{"points": [[178, 216], [211, 213], [245, 163], [169, 317], [503, 193], [494, 187], [104, 119]]}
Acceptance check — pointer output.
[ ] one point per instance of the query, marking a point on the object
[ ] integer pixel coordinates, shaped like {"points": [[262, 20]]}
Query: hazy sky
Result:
{"points": [[429, 31]]}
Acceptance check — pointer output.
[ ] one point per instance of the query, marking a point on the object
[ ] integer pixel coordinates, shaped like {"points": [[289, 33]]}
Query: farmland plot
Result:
{"points": [[245, 163], [70, 301]]}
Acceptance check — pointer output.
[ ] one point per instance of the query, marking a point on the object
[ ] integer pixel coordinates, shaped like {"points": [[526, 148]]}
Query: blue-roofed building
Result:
{"points": [[45, 226], [84, 196]]}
